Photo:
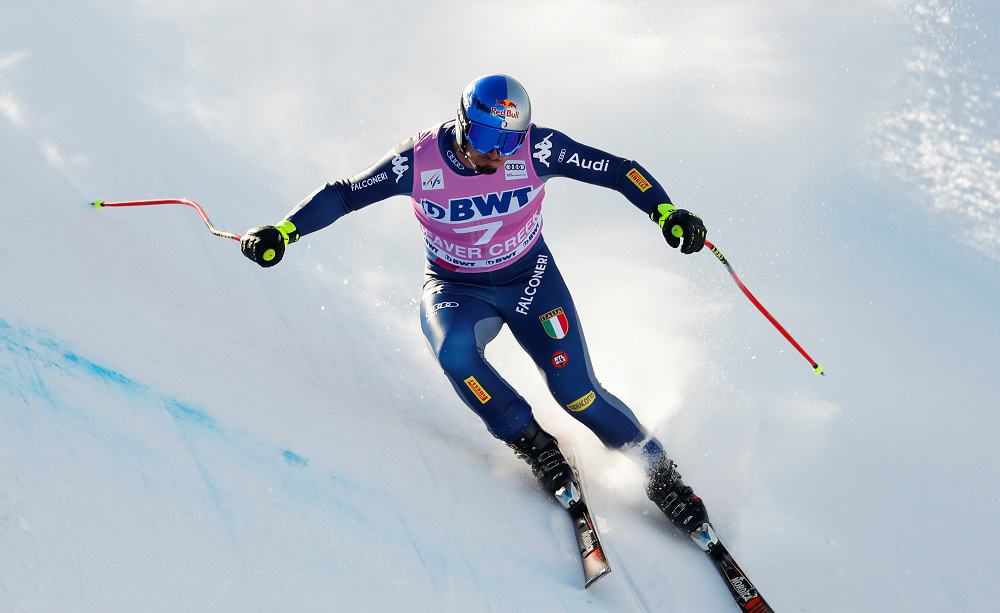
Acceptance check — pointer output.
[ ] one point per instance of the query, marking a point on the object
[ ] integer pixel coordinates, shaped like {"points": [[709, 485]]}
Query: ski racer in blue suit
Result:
{"points": [[469, 178]]}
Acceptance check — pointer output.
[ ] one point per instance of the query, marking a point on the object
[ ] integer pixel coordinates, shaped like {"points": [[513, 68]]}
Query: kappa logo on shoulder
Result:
{"points": [[543, 150], [399, 166]]}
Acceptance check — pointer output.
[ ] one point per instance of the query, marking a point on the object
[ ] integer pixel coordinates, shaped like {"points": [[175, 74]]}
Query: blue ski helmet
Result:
{"points": [[494, 113]]}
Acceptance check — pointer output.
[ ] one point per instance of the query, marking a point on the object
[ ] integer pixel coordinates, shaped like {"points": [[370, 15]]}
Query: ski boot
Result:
{"points": [[541, 451], [677, 501]]}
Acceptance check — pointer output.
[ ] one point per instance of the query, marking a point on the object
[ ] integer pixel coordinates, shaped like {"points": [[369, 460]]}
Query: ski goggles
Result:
{"points": [[485, 139]]}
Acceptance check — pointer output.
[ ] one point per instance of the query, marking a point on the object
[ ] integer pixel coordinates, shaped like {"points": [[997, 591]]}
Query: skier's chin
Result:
{"points": [[487, 170]]}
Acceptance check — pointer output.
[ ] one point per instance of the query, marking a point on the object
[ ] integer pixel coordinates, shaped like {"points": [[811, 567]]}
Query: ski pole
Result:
{"points": [[817, 367], [99, 204]]}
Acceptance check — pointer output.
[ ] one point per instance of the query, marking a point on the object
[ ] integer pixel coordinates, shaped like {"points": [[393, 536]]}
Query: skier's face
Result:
{"points": [[486, 163]]}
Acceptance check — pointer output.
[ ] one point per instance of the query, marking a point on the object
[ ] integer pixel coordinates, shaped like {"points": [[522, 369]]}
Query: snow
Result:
{"points": [[181, 430]]}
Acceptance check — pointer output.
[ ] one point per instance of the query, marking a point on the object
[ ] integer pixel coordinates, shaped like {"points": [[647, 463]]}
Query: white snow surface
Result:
{"points": [[181, 430]]}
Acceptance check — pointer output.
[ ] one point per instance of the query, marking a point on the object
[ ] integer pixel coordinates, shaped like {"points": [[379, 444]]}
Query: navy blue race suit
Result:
{"points": [[461, 312]]}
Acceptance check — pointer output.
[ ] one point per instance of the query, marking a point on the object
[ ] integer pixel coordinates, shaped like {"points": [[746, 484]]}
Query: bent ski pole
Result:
{"points": [[99, 204], [817, 367]]}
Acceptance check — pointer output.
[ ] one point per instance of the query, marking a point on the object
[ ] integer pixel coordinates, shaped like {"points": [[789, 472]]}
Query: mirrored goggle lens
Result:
{"points": [[485, 139]]}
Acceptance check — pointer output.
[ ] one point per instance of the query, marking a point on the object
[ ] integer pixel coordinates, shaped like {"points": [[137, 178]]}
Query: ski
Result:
{"points": [[573, 498], [595, 564], [747, 598]]}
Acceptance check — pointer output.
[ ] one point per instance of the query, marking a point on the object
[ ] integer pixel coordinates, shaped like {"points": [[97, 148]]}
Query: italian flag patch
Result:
{"points": [[556, 323]]}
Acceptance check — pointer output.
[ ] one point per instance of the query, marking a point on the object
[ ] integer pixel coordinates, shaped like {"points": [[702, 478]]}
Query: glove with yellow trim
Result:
{"points": [[266, 244], [677, 223]]}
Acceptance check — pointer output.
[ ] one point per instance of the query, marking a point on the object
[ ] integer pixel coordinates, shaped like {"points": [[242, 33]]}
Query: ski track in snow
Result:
{"points": [[43, 374], [96, 411]]}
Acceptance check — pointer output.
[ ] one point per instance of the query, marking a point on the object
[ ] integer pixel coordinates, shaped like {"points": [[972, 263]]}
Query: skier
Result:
{"points": [[477, 185]]}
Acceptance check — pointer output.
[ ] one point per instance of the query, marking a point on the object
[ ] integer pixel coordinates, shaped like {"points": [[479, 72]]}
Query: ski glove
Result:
{"points": [[266, 244], [677, 223]]}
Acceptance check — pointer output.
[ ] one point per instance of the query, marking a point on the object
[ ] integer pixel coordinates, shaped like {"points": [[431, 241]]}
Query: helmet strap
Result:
{"points": [[463, 141], [461, 147], [462, 125]]}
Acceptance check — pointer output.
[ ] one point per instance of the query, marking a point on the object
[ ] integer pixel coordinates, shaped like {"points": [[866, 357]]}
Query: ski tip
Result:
{"points": [[593, 579], [97, 204], [818, 369], [595, 566]]}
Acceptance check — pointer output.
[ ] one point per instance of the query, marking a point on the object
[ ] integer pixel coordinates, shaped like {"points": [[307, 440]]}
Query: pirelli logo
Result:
{"points": [[640, 181], [582, 402], [478, 390]]}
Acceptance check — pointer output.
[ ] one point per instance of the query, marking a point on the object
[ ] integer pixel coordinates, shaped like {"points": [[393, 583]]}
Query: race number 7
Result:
{"points": [[490, 228]]}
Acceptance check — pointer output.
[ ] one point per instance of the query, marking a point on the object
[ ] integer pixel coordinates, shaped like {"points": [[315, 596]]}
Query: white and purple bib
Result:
{"points": [[475, 223]]}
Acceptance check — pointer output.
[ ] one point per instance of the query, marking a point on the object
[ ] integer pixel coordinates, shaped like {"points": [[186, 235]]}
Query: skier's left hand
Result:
{"points": [[678, 223]]}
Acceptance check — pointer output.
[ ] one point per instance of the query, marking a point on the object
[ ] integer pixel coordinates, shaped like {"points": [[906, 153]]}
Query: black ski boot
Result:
{"points": [[541, 451], [677, 501]]}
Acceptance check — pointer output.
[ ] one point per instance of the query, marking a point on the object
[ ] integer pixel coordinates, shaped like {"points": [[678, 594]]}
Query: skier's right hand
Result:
{"points": [[266, 244]]}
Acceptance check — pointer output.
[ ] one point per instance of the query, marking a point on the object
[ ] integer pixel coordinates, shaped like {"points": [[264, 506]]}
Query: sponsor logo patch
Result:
{"points": [[455, 161], [479, 391], [399, 166], [741, 588], [441, 305], [595, 165], [432, 179], [505, 108], [640, 181], [494, 204], [528, 293], [555, 323], [472, 256], [560, 359], [515, 169], [372, 180], [582, 402], [543, 150]]}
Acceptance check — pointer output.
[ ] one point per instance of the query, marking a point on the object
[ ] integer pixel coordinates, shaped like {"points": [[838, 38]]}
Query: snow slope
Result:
{"points": [[181, 430]]}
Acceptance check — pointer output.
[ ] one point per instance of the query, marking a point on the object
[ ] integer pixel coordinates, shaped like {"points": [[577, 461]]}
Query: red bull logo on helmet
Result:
{"points": [[508, 108]]}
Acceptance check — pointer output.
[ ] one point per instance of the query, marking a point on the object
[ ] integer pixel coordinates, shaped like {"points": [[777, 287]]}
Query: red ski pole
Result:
{"points": [[817, 367], [99, 204]]}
